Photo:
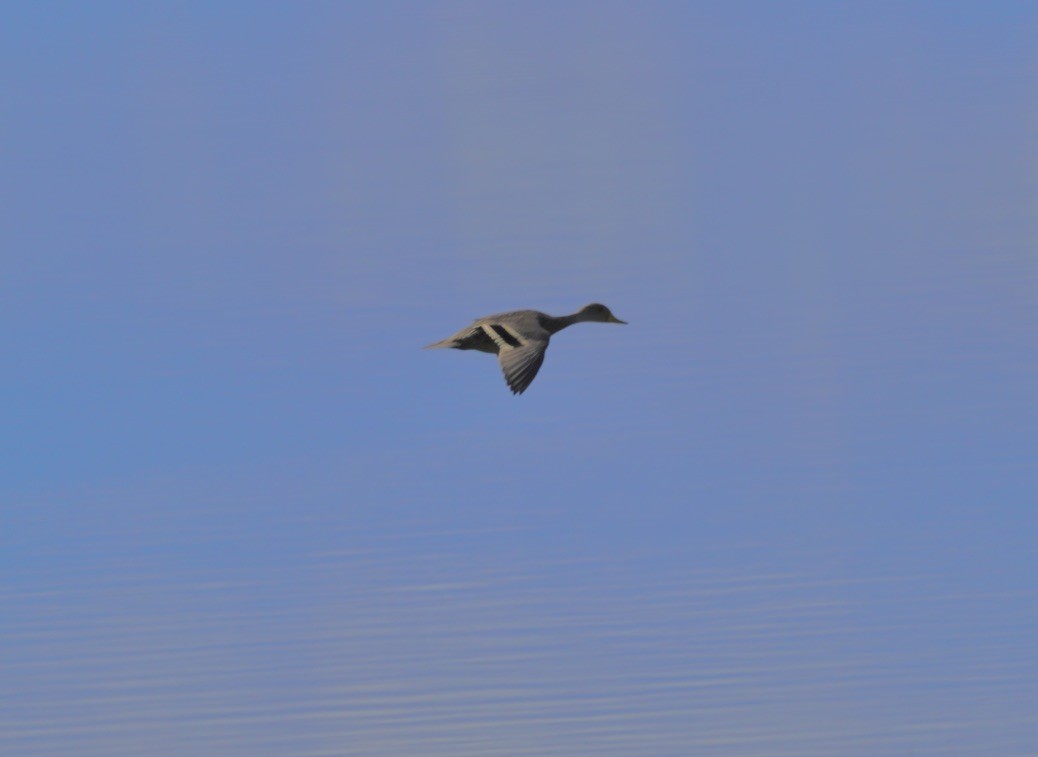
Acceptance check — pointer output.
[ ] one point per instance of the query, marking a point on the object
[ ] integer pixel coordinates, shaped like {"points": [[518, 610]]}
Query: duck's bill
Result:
{"points": [[614, 319]]}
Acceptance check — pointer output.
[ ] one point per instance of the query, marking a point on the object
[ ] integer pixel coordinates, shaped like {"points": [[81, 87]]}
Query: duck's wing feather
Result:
{"points": [[521, 342], [520, 364]]}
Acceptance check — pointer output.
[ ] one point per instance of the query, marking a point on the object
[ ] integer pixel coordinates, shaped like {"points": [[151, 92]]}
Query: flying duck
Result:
{"points": [[520, 338]]}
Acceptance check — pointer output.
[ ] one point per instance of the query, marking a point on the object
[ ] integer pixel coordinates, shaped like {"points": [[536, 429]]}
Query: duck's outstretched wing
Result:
{"points": [[520, 364]]}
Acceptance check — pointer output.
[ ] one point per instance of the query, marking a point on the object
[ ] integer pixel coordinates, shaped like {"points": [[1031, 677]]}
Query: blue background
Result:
{"points": [[789, 509]]}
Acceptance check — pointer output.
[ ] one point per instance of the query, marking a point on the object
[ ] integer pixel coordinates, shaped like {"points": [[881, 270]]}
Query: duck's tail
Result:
{"points": [[449, 342]]}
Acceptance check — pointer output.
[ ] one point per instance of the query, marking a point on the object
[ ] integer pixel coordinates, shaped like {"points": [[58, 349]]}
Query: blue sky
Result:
{"points": [[790, 506]]}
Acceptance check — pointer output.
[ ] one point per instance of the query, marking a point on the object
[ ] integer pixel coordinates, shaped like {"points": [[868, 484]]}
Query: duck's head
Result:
{"points": [[599, 313]]}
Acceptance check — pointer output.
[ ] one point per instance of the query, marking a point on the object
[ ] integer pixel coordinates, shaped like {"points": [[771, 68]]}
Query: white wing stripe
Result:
{"points": [[493, 336], [491, 330]]}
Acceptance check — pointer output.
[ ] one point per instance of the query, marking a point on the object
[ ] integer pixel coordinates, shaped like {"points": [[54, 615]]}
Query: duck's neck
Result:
{"points": [[554, 324]]}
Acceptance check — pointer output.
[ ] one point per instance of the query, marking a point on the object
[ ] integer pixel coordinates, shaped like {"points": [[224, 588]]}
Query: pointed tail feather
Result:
{"points": [[449, 342]]}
